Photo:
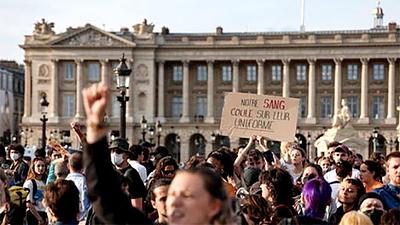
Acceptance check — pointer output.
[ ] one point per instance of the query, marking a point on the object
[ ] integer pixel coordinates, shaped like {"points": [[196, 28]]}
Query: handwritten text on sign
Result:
{"points": [[273, 117]]}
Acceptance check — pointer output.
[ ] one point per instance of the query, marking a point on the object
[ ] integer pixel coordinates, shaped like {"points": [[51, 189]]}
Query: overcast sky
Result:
{"points": [[17, 17]]}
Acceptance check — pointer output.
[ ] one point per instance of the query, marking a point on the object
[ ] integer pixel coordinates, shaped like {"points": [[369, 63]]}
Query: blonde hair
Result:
{"points": [[355, 218]]}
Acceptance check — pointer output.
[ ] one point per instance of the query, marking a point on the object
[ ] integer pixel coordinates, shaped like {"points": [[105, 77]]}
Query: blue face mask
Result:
{"points": [[117, 159]]}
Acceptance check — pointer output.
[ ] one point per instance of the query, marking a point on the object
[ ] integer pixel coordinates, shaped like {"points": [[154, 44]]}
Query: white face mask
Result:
{"points": [[14, 156], [117, 159]]}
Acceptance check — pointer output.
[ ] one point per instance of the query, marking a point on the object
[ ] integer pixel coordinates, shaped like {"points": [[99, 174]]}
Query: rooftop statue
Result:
{"points": [[43, 28], [143, 28]]}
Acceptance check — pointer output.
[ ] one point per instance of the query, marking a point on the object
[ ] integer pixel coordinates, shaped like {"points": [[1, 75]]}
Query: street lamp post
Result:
{"points": [[122, 72], [151, 132], [159, 130], [213, 137], [310, 154], [375, 138], [143, 125], [44, 104], [25, 134]]}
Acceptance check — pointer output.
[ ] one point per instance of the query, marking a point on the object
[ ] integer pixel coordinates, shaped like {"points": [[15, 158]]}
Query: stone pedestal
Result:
{"points": [[347, 136]]}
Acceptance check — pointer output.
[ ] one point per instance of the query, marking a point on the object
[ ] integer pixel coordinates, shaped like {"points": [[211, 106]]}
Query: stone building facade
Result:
{"points": [[179, 79], [11, 99]]}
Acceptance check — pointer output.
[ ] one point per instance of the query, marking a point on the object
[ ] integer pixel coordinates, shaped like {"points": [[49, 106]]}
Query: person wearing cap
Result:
{"points": [[111, 205], [119, 157], [340, 154]]}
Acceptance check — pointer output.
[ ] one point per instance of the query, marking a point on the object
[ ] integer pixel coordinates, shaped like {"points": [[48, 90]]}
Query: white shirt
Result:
{"points": [[331, 175], [139, 168], [37, 199], [80, 182]]}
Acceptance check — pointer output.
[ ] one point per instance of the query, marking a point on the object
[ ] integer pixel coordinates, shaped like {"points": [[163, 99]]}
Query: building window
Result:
{"points": [[276, 71], [115, 107], [352, 72], [352, 103], [226, 73], [10, 83], [302, 107], [378, 107], [251, 73], [201, 73], [326, 107], [176, 106], [69, 71], [301, 72], [379, 72], [201, 105], [326, 71], [94, 72], [177, 73], [68, 105], [2, 82]]}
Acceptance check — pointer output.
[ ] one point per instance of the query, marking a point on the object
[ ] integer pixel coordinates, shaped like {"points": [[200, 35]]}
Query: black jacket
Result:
{"points": [[110, 204]]}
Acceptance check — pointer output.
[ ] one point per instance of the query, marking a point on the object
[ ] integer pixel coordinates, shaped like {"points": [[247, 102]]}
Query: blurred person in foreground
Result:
{"points": [[197, 196], [355, 218], [61, 200], [391, 217], [110, 203]]}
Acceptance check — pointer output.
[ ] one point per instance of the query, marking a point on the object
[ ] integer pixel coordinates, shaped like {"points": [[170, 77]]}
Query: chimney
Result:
{"points": [[392, 26], [219, 30], [124, 30]]}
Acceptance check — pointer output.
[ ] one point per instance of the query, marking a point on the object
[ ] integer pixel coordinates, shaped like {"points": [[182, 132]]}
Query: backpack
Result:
{"points": [[18, 195]]}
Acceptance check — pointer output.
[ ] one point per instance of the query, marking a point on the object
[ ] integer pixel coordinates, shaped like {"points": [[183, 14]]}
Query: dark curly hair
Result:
{"points": [[257, 209], [280, 184], [226, 160]]}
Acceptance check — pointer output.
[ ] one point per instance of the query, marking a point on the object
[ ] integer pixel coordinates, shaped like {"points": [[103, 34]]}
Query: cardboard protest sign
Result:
{"points": [[272, 117]]}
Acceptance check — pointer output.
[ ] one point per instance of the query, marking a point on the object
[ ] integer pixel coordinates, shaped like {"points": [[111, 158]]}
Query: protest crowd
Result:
{"points": [[110, 182]]}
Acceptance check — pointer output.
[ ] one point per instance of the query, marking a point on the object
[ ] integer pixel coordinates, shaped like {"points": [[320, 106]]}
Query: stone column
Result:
{"points": [[286, 83], [54, 89], [364, 119], [235, 80], [260, 76], [338, 86], [398, 127], [210, 92], [391, 119], [161, 97], [105, 78], [79, 87], [28, 89], [311, 92], [185, 93], [130, 92]]}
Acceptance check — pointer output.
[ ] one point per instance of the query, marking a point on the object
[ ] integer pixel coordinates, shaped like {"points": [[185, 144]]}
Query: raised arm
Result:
{"points": [[110, 204], [243, 152]]}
